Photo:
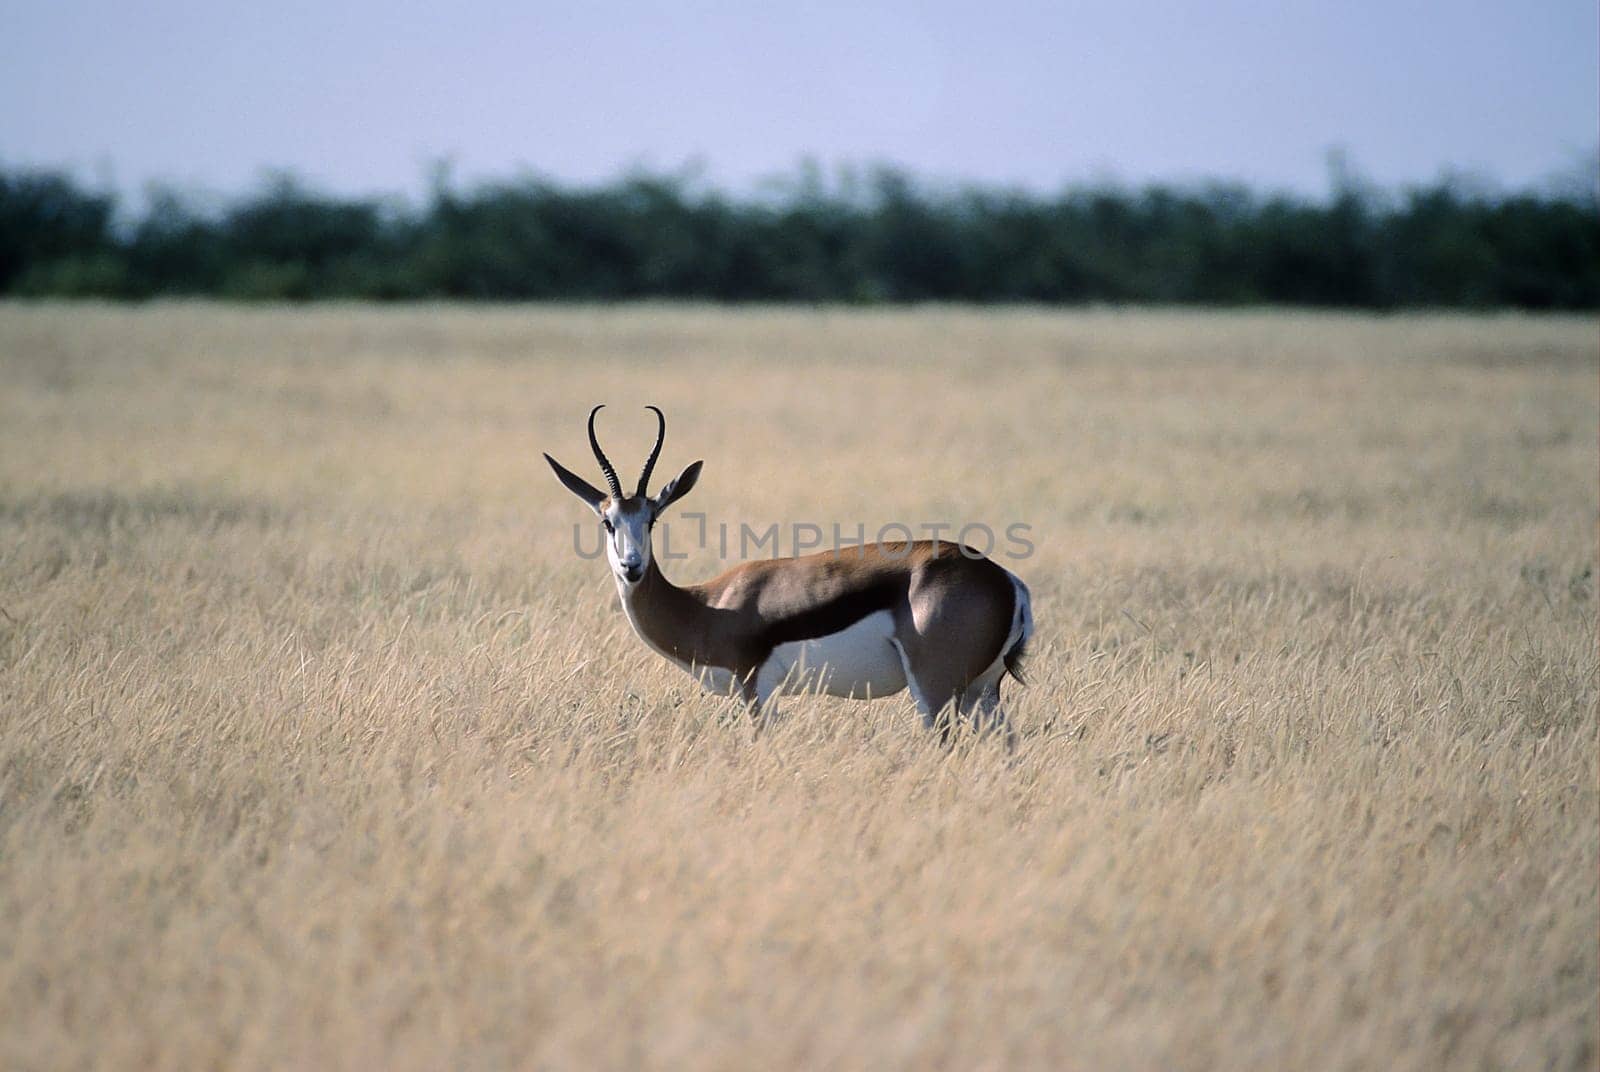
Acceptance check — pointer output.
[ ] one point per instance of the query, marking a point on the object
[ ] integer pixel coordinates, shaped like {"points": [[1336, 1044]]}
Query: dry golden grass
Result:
{"points": [[319, 747]]}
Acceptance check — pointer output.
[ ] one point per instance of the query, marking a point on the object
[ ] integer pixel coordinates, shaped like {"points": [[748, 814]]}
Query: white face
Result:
{"points": [[627, 523]]}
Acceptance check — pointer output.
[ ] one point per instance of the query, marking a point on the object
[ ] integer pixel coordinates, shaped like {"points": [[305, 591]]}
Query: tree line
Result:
{"points": [[882, 237]]}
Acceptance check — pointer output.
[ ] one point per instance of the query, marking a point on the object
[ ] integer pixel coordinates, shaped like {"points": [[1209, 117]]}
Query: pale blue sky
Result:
{"points": [[358, 96]]}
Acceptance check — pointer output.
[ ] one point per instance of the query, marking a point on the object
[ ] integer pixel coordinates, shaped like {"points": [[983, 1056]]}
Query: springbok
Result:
{"points": [[935, 617]]}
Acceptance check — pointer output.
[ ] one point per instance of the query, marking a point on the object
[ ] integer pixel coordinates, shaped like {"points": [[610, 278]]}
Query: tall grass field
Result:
{"points": [[323, 746]]}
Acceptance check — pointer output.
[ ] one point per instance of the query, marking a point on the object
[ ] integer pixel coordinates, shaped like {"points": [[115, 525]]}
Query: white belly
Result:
{"points": [[858, 661], [715, 679]]}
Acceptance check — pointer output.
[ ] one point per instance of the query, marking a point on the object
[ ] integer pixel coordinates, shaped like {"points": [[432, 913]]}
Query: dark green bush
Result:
{"points": [[883, 237]]}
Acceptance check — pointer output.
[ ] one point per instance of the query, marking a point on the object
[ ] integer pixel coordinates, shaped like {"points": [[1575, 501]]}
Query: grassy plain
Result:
{"points": [[319, 747]]}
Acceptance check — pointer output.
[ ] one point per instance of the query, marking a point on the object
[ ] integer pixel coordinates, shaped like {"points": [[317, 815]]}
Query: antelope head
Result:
{"points": [[628, 519]]}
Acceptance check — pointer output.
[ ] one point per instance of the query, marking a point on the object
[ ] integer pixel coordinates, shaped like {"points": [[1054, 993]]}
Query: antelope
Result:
{"points": [[934, 617]]}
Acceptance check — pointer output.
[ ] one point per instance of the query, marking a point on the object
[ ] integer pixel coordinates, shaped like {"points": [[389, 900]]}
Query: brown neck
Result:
{"points": [[670, 619]]}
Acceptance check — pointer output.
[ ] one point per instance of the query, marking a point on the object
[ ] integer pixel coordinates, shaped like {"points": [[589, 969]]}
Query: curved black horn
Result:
{"points": [[600, 456], [650, 463]]}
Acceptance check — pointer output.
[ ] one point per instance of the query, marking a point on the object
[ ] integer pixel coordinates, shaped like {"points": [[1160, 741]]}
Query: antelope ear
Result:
{"points": [[678, 488], [577, 485]]}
